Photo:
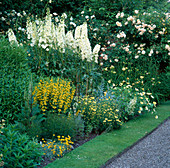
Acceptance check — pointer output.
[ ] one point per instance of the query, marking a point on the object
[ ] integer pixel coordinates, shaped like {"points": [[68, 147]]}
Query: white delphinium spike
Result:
{"points": [[77, 34], [29, 28], [85, 43], [86, 49], [61, 36], [95, 52], [12, 37], [54, 36], [48, 29], [70, 41], [84, 30], [33, 34]]}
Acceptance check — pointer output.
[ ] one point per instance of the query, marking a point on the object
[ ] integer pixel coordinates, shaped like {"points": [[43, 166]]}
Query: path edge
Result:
{"points": [[130, 147]]}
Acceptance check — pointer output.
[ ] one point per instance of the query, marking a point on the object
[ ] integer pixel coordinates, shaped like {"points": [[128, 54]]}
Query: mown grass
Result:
{"points": [[98, 151]]}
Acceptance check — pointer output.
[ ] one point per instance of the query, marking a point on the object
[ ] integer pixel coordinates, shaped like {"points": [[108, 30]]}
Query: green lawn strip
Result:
{"points": [[96, 152]]}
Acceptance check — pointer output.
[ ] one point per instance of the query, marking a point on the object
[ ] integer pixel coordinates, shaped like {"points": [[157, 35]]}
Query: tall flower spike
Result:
{"points": [[84, 32], [77, 35], [11, 37], [61, 36], [70, 41], [96, 51]]}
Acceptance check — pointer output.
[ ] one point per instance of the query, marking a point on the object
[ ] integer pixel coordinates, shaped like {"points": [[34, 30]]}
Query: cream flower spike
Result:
{"points": [[12, 37], [96, 50]]}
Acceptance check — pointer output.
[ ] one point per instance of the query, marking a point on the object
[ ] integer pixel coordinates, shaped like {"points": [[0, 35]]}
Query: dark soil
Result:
{"points": [[80, 141]]}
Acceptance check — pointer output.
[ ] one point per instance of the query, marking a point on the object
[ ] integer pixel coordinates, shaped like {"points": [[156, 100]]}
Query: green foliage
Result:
{"points": [[30, 119], [94, 153], [162, 93], [18, 150], [99, 114], [10, 10], [139, 51], [14, 79], [109, 109], [131, 102], [59, 125]]}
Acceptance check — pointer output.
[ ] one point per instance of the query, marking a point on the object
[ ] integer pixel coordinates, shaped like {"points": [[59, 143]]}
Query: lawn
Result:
{"points": [[98, 151]]}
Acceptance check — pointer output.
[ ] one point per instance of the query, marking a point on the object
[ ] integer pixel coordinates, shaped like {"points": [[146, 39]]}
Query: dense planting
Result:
{"points": [[66, 75]]}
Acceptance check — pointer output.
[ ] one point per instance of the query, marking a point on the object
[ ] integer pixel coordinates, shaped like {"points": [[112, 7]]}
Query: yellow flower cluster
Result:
{"points": [[54, 95], [59, 149], [100, 113]]}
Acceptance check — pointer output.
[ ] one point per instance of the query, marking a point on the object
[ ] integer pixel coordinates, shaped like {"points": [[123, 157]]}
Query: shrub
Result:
{"points": [[30, 119], [14, 80], [139, 51], [131, 102], [114, 106], [18, 150], [99, 114], [59, 125]]}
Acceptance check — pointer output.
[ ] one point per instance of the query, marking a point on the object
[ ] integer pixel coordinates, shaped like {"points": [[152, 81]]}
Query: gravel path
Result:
{"points": [[151, 152]]}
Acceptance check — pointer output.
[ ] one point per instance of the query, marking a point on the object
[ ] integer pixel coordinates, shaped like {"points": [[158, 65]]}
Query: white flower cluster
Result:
{"points": [[11, 37], [132, 105], [167, 47], [121, 15], [46, 35], [121, 35]]}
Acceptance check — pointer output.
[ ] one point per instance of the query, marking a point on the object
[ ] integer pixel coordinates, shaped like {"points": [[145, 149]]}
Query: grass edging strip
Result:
{"points": [[98, 151], [130, 147]]}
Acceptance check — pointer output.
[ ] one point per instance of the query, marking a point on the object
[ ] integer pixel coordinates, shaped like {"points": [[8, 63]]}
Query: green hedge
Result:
{"points": [[14, 79]]}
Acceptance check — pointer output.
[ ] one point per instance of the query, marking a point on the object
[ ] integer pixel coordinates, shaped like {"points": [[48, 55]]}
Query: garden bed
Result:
{"points": [[96, 152]]}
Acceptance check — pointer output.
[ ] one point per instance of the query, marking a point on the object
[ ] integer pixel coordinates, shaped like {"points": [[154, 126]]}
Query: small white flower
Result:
{"points": [[64, 15], [72, 23], [93, 16], [126, 23], [56, 19], [143, 52], [118, 14], [18, 14], [118, 36], [137, 56], [116, 60], [55, 14], [101, 63], [2, 18], [123, 69], [136, 11], [24, 13], [82, 12], [112, 45], [87, 17], [122, 15], [109, 81], [119, 24], [130, 18]]}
